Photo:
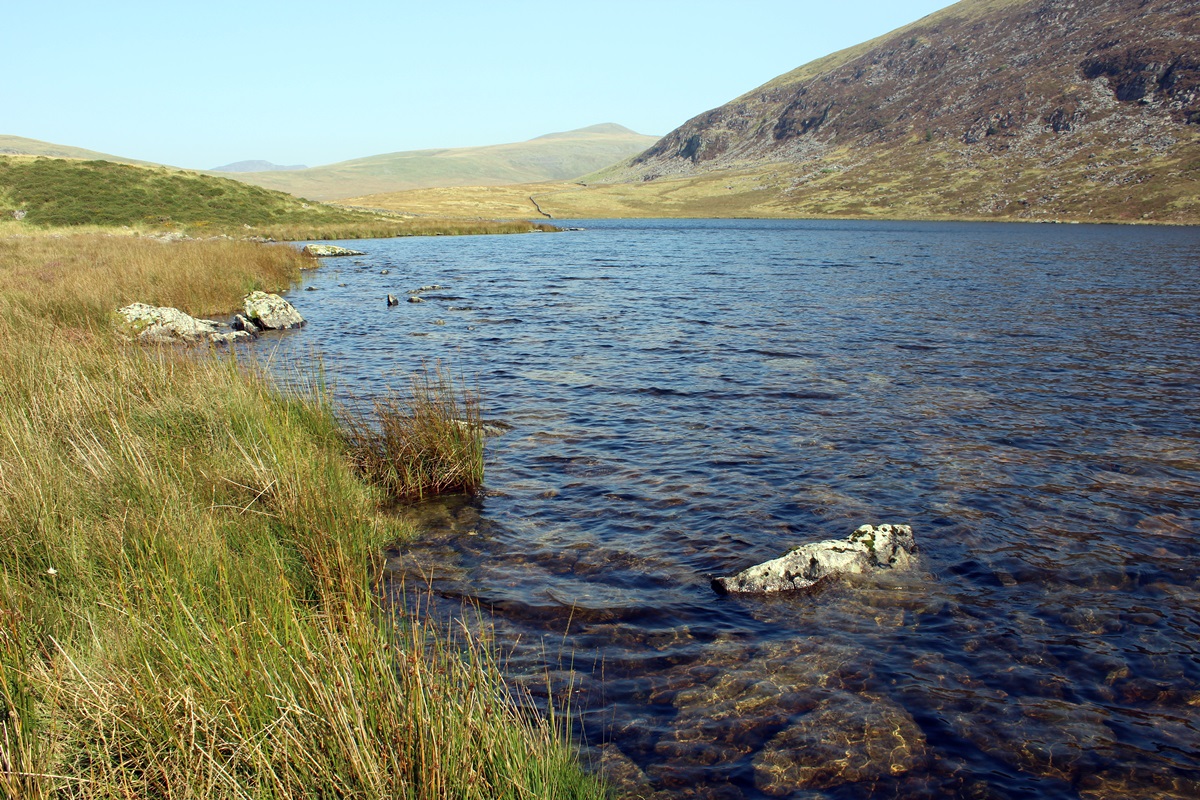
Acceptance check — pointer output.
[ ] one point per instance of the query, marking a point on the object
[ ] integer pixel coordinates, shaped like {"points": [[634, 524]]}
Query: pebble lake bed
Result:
{"points": [[676, 401]]}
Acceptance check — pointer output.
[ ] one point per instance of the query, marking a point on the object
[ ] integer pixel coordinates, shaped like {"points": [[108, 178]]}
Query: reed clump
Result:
{"points": [[188, 578], [428, 443]]}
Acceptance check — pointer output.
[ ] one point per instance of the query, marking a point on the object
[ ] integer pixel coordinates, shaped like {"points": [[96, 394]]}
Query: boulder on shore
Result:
{"points": [[271, 312], [868, 549], [326, 250], [166, 325], [240, 323]]}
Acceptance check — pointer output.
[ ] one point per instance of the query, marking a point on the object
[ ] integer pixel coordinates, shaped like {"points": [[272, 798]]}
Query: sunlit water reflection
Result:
{"points": [[689, 398]]}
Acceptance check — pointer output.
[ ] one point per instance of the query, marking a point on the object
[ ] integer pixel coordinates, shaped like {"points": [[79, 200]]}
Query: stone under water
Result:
{"points": [[868, 549]]}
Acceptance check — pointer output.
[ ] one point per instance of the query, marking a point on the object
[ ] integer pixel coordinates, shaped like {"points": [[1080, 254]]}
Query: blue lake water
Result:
{"points": [[688, 398]]}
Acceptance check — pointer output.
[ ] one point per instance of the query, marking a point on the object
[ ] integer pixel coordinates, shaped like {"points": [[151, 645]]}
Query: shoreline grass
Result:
{"points": [[188, 573], [40, 196]]}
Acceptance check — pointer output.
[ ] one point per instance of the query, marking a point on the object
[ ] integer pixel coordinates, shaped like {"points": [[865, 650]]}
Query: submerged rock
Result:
{"points": [[620, 771], [271, 312], [325, 250], [868, 549], [392, 301], [847, 738], [489, 429]]}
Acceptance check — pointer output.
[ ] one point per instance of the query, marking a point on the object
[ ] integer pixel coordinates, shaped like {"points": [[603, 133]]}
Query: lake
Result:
{"points": [[689, 398]]}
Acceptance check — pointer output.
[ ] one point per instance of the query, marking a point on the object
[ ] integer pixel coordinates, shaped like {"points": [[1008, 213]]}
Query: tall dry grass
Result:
{"points": [[78, 280], [188, 568]]}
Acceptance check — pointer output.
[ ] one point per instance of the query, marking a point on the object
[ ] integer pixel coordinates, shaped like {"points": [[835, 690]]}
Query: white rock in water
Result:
{"points": [[324, 250], [868, 549], [165, 325], [271, 312]]}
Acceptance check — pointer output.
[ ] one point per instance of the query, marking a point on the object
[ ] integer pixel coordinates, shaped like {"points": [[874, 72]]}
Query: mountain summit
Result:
{"points": [[256, 166], [1009, 108]]}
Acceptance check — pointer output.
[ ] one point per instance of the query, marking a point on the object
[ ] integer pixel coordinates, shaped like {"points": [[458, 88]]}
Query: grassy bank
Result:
{"points": [[56, 194], [187, 596]]}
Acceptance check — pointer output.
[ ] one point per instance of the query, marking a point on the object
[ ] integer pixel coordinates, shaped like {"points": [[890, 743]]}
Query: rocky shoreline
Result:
{"points": [[261, 311]]}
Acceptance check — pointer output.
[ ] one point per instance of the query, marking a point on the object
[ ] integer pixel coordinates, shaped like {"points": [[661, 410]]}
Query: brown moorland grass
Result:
{"points": [[188, 566]]}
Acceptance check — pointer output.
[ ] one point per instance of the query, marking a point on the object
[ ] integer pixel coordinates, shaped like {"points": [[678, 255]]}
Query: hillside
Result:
{"points": [[67, 192], [38, 193], [1019, 109], [556, 156], [21, 146]]}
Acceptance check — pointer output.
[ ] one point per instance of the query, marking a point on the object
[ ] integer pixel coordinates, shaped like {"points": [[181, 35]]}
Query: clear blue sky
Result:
{"points": [[203, 84]]}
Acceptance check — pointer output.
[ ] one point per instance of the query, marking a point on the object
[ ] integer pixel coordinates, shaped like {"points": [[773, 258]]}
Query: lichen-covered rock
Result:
{"points": [[165, 325], [327, 250], [868, 549], [847, 738], [230, 337], [271, 312]]}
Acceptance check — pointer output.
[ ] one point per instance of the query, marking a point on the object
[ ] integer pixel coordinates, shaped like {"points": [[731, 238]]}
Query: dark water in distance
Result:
{"points": [[688, 398]]}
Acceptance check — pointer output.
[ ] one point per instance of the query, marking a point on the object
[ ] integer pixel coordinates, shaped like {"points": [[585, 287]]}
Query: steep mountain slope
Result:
{"points": [[557, 156], [989, 108]]}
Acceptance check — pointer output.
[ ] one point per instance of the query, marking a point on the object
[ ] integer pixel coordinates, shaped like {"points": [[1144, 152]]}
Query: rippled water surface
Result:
{"points": [[690, 398]]}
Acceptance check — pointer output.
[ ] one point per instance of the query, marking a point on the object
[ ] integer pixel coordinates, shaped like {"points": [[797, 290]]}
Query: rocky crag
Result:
{"points": [[1018, 108]]}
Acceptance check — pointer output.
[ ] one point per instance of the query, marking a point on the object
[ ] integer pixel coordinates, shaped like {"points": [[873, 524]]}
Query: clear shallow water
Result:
{"points": [[689, 398]]}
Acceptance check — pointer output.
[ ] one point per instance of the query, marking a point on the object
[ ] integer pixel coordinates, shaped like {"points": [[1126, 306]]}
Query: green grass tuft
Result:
{"points": [[430, 443]]}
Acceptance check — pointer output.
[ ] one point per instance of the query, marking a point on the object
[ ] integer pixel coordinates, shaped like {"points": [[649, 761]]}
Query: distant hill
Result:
{"points": [[1012, 109], [20, 146], [556, 156], [256, 166]]}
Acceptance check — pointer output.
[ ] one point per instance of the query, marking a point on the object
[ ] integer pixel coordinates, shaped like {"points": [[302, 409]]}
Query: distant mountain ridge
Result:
{"points": [[256, 166], [552, 157], [989, 108]]}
